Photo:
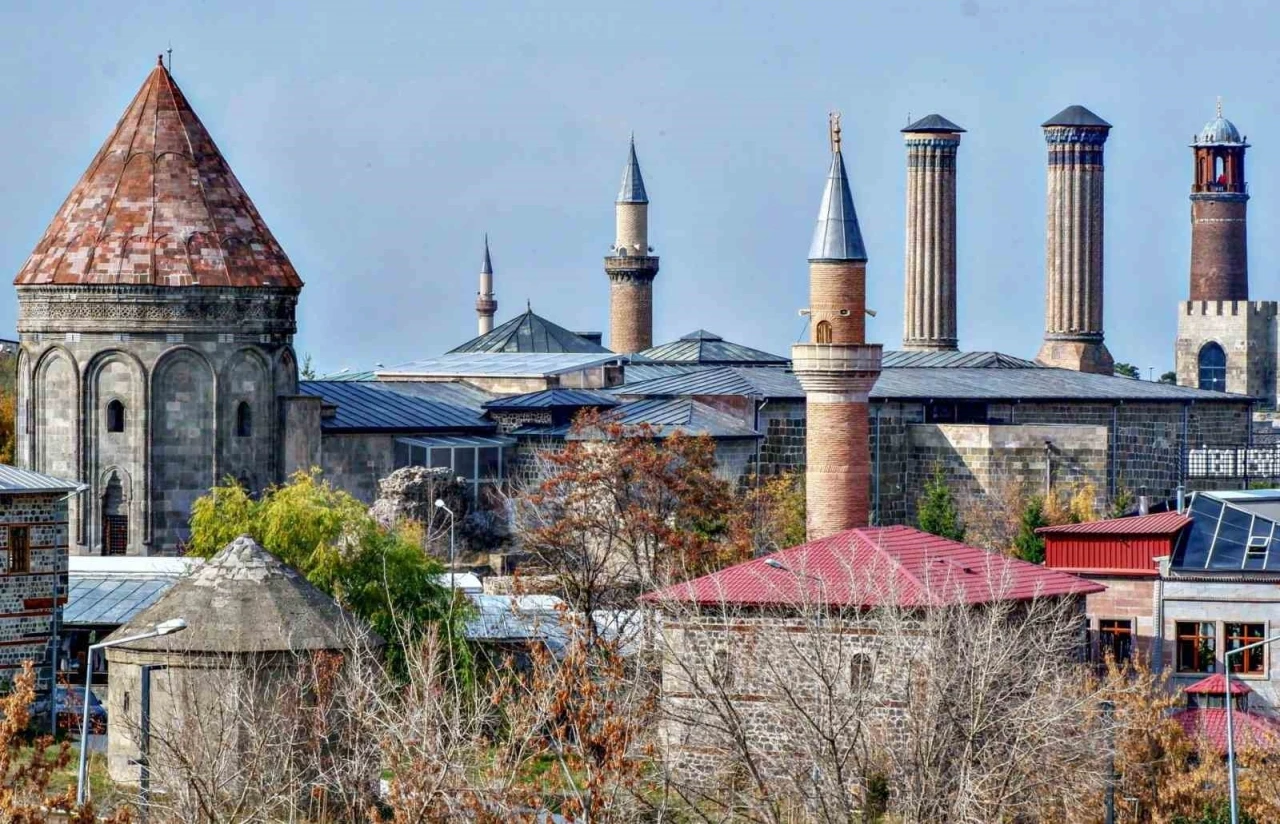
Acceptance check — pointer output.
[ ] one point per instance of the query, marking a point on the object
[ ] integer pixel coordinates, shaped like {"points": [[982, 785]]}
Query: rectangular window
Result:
{"points": [[1249, 662], [490, 463], [464, 463], [1115, 638], [1197, 646], [19, 550], [441, 458]]}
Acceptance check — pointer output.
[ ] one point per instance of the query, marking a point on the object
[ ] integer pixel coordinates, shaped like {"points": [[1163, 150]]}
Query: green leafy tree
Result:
{"points": [[1027, 545], [1169, 377], [936, 511], [1127, 370], [381, 575]]}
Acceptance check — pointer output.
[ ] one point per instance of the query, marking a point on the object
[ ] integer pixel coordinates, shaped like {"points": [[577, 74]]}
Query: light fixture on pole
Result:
{"points": [[440, 505], [1231, 743], [163, 628]]}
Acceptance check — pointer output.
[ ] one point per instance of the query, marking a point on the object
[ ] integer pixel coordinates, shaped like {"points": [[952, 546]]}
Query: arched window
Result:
{"points": [[244, 420], [1213, 367], [823, 331], [115, 416]]}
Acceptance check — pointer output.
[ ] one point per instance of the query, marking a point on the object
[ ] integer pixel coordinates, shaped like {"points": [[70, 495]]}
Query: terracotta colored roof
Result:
{"points": [[1216, 684], [1161, 523], [158, 206], [1251, 728], [877, 566]]}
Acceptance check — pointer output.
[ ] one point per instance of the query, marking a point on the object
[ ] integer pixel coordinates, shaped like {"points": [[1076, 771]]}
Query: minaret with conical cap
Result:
{"points": [[630, 266], [486, 303], [929, 317], [837, 367], [1073, 243]]}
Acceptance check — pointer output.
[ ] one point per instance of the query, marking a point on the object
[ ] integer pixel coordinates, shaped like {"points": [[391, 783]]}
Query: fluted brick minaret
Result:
{"points": [[1073, 243], [1219, 198], [837, 368], [486, 303], [929, 316], [631, 266]]}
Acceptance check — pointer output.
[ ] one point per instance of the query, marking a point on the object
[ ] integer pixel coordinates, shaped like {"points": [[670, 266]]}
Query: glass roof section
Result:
{"points": [[1224, 537]]}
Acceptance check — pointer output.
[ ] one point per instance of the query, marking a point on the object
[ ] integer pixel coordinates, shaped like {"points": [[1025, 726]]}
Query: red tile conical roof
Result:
{"points": [[158, 206]]}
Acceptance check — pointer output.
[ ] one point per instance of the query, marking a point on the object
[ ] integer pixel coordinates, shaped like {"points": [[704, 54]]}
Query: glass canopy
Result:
{"points": [[1225, 537]]}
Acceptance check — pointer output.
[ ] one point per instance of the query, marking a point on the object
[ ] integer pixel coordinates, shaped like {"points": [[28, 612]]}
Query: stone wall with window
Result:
{"points": [[1244, 331], [1122, 619], [33, 575]]}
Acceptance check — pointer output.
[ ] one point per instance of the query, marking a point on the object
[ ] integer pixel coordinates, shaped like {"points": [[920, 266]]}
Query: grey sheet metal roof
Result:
{"points": [[348, 375], [500, 364], [459, 440], [1042, 383], [1076, 116], [370, 407], [455, 393], [529, 333], [748, 381], [111, 599], [632, 190], [553, 399], [13, 479], [951, 360], [708, 348], [637, 372], [837, 236], [933, 123], [685, 414]]}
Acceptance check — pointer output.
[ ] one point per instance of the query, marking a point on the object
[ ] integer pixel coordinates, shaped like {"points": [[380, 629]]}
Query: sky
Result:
{"points": [[380, 141]]}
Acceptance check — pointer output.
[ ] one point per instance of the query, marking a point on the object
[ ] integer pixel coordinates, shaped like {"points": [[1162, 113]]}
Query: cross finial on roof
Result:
{"points": [[1219, 105], [834, 125]]}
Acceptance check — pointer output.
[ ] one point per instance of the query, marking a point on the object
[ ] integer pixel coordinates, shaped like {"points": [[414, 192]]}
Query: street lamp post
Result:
{"points": [[440, 505], [1231, 739], [163, 628]]}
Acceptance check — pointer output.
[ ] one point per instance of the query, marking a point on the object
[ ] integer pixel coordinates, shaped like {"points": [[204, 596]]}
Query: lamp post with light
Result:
{"points": [[441, 505], [163, 628], [1231, 742]]}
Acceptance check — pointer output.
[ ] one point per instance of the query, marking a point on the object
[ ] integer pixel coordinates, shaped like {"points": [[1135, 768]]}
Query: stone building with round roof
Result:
{"points": [[156, 319]]}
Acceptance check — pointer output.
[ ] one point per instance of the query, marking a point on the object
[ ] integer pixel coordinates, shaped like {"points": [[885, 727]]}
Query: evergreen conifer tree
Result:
{"points": [[1027, 545], [936, 512]]}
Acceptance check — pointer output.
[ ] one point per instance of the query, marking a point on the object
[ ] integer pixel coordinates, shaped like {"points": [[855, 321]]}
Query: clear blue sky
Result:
{"points": [[381, 141]]}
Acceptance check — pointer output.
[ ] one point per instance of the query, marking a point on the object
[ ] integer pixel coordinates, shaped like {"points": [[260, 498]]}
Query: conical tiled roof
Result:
{"points": [[632, 190], [529, 333], [245, 600], [159, 206], [837, 236]]}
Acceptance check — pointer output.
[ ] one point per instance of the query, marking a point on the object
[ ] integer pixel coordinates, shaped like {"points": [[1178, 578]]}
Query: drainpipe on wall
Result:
{"points": [[875, 478]]}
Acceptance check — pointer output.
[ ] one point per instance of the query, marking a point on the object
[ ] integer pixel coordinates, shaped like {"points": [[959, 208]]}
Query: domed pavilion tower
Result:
{"points": [[156, 319]]}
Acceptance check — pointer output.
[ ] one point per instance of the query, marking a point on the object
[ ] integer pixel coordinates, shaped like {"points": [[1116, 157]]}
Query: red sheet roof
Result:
{"points": [[1216, 684], [1251, 729], [876, 566], [1162, 523]]}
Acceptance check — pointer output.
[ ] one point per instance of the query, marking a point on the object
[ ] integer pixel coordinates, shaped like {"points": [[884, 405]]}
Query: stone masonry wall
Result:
{"points": [[1246, 331], [27, 598]]}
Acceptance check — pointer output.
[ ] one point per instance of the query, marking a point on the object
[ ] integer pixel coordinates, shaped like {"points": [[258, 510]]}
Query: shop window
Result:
{"points": [[1197, 646]]}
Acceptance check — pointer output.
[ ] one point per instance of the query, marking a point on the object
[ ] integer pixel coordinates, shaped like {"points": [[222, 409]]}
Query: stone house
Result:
{"points": [[804, 621]]}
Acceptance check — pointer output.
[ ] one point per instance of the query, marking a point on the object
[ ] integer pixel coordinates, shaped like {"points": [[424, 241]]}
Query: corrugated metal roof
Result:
{"points": [[13, 479], [685, 414], [900, 359], [553, 398], [455, 393], [500, 365], [1031, 384], [708, 348], [744, 381], [1161, 523], [637, 372], [348, 375], [366, 407], [527, 334], [837, 236], [876, 566], [459, 440]]}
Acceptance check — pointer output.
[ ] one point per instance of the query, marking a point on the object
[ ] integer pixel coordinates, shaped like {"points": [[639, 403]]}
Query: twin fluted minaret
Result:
{"points": [[486, 303], [631, 266], [929, 314]]}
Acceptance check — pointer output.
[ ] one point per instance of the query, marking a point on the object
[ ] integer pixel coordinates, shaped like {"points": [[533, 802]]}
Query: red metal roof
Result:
{"points": [[877, 566], [1216, 684], [158, 206], [1251, 728], [1161, 523]]}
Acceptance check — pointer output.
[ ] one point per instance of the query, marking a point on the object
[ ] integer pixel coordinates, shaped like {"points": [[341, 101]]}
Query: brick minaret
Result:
{"points": [[1219, 244], [929, 321], [486, 303], [837, 367], [630, 266]]}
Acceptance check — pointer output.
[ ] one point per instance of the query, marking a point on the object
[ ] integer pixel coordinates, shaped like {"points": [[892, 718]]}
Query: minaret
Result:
{"points": [[1219, 197], [1073, 243], [486, 303], [630, 266], [929, 321], [837, 368]]}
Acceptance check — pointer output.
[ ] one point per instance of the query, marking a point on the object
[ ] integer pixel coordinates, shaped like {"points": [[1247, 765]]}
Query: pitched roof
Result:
{"points": [[244, 600], [708, 348], [1161, 523], [1076, 116], [529, 333], [905, 359], [877, 566], [1251, 728], [159, 206], [837, 236], [371, 406], [464, 365], [749, 381], [666, 416], [1042, 383], [13, 479], [933, 123], [1216, 684], [632, 190], [553, 399]]}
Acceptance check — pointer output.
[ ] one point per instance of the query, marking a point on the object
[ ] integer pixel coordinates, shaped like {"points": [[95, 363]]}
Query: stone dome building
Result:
{"points": [[156, 319]]}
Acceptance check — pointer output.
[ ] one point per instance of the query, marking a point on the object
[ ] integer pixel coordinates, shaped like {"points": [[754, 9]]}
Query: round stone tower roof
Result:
{"points": [[159, 206], [1219, 130]]}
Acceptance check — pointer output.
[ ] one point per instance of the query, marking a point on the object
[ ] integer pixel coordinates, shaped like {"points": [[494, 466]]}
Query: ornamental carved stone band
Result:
{"points": [[120, 308], [1075, 134], [836, 367]]}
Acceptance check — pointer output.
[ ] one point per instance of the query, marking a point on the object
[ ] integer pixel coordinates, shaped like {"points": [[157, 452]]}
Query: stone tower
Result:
{"points": [[156, 319], [630, 266], [837, 367], [929, 321], [1073, 243], [486, 303]]}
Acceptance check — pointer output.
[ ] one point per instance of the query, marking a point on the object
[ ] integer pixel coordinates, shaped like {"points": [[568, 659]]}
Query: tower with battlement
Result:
{"points": [[929, 316], [486, 303], [837, 367], [631, 265], [1073, 243]]}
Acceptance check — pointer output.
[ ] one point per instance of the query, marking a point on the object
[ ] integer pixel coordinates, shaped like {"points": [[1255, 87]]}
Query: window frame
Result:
{"points": [[1218, 379], [1200, 649], [822, 332], [19, 562], [1245, 638], [1110, 636]]}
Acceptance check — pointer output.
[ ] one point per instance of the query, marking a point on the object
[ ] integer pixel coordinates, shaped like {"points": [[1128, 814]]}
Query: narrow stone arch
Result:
{"points": [[183, 436], [246, 410], [286, 372], [113, 499], [22, 411], [1211, 367], [115, 376]]}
